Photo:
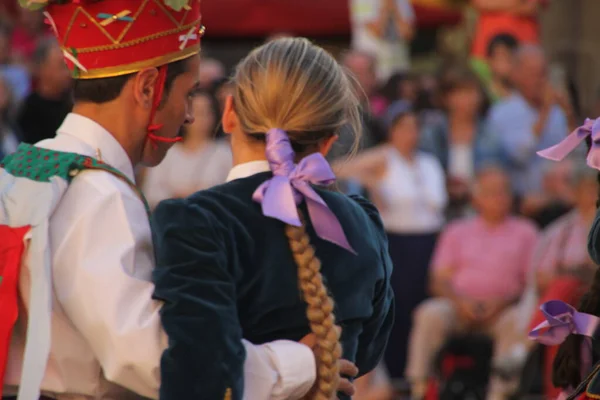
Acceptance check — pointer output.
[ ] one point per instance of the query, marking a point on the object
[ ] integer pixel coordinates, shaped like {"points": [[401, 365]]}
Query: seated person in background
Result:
{"points": [[554, 200], [478, 271]]}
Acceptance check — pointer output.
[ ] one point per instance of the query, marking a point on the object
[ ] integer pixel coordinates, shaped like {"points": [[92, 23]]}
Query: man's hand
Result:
{"points": [[347, 369]]}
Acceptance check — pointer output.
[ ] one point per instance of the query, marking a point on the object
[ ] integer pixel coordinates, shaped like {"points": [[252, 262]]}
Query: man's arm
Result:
{"points": [[102, 266]]}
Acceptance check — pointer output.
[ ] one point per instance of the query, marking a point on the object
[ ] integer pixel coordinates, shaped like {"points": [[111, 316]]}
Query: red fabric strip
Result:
{"points": [[12, 247]]}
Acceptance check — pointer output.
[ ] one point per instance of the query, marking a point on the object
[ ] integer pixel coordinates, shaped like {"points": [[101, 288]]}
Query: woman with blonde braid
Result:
{"points": [[269, 254]]}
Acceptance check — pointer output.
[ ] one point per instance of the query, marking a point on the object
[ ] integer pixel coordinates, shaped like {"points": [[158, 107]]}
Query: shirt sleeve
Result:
{"points": [[102, 263], [206, 355], [530, 239]]}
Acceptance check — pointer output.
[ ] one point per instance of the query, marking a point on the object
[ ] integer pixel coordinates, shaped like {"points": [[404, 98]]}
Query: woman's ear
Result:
{"points": [[326, 145], [230, 120]]}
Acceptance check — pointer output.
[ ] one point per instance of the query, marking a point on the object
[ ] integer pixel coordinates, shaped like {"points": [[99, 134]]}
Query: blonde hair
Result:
{"points": [[298, 87]]}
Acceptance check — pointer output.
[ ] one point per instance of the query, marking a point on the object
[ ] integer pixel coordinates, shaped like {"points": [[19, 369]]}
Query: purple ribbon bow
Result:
{"points": [[563, 320], [559, 151], [281, 194]]}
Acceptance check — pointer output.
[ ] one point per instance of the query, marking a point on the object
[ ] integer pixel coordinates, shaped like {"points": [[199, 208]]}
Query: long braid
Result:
{"points": [[328, 350]]}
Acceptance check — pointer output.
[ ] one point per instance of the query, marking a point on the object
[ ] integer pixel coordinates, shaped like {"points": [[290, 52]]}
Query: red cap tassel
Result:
{"points": [[158, 94]]}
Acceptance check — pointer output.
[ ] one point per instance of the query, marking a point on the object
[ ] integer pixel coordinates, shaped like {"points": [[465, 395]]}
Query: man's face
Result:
{"points": [[531, 76], [492, 195], [175, 112], [364, 70], [501, 62]]}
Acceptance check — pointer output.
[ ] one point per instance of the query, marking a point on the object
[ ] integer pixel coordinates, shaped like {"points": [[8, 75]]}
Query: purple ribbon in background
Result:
{"points": [[559, 151], [290, 184], [563, 320]]}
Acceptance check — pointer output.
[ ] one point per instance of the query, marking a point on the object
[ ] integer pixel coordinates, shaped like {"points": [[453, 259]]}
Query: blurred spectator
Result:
{"points": [[528, 120], [16, 75], [362, 67], [400, 86], [518, 18], [408, 188], [8, 137], [478, 271], [383, 28], [496, 71], [556, 197], [44, 110], [211, 71], [199, 162], [563, 269], [459, 140], [27, 33], [375, 385]]}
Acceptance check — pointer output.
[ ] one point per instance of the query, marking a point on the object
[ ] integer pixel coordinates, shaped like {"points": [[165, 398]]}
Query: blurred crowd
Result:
{"points": [[480, 227]]}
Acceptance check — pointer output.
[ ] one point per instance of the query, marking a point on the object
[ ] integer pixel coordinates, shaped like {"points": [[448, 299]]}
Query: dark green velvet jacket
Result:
{"points": [[226, 272]]}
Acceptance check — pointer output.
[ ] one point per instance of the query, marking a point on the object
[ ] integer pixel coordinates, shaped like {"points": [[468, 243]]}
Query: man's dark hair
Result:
{"points": [[502, 39], [104, 90]]}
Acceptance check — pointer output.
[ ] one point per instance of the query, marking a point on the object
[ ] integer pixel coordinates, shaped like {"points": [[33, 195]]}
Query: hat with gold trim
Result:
{"points": [[107, 38]]}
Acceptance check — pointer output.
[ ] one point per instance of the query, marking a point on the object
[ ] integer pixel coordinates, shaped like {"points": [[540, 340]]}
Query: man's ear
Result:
{"points": [[144, 84]]}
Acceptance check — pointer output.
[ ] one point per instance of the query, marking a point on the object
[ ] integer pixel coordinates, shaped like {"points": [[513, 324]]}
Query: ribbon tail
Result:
{"points": [[559, 151], [324, 220], [278, 201]]}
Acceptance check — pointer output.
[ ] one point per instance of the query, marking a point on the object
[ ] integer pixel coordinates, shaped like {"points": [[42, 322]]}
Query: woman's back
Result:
{"points": [[270, 305]]}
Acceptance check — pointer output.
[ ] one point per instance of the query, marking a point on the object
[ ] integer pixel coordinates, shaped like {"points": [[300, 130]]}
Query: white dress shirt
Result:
{"points": [[106, 335], [412, 194]]}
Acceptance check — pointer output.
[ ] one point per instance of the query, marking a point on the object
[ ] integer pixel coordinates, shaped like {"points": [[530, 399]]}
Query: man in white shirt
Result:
{"points": [[88, 327]]}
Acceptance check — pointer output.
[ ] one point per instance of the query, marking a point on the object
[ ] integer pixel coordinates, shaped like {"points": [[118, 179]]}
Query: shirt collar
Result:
{"points": [[248, 169], [106, 146]]}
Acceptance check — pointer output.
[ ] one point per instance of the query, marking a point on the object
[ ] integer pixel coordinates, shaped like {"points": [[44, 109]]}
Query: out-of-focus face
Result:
{"points": [[531, 76], [4, 48], [492, 195], [465, 100], [176, 112], [204, 118], [501, 62], [586, 193], [404, 134], [4, 95], [363, 69]]}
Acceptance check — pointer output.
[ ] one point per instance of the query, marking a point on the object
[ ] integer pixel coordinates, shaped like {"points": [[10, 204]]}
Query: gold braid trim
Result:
{"points": [[328, 350]]}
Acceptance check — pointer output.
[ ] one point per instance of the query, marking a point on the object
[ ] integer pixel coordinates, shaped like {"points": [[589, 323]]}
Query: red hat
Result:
{"points": [[106, 38]]}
